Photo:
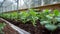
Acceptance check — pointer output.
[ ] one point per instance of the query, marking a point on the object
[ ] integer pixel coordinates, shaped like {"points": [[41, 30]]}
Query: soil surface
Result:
{"points": [[33, 30], [8, 30]]}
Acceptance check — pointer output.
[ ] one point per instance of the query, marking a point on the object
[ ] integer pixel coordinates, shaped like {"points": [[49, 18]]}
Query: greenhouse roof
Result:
{"points": [[8, 5], [6, 2]]}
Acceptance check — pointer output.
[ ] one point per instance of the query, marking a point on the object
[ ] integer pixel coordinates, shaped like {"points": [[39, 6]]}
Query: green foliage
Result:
{"points": [[58, 19], [44, 22], [10, 15], [28, 16], [56, 12], [51, 27], [1, 27], [47, 18], [23, 16], [43, 14], [33, 16], [6, 15], [13, 15]]}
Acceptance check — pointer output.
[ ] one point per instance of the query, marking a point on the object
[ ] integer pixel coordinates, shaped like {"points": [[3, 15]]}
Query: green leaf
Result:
{"points": [[56, 12], [24, 16], [51, 27], [58, 25], [49, 17], [32, 12], [33, 16], [46, 11], [58, 19], [44, 22]]}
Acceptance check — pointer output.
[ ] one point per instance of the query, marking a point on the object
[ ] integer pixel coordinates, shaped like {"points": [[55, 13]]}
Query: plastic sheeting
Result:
{"points": [[9, 5]]}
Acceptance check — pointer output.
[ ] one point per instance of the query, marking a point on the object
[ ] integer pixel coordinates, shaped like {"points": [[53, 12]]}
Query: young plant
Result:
{"points": [[42, 15], [6, 15], [14, 15], [23, 16], [33, 16], [49, 20], [51, 25]]}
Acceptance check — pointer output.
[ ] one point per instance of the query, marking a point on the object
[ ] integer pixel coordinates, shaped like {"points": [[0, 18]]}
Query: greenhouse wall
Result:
{"points": [[10, 5]]}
